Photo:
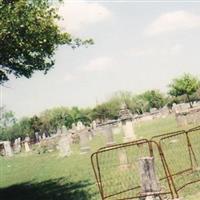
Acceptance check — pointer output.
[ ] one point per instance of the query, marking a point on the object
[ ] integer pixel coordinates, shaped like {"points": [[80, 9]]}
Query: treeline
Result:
{"points": [[50, 120]]}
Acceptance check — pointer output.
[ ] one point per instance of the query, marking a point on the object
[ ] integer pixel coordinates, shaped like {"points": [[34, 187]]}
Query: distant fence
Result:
{"points": [[177, 165]]}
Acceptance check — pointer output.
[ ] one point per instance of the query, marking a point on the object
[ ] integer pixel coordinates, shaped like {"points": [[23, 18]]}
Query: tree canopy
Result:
{"points": [[29, 36], [185, 85]]}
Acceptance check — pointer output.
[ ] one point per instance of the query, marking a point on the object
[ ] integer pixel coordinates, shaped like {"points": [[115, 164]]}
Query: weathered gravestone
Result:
{"points": [[64, 129], [149, 182], [26, 144], [79, 126], [37, 139], [64, 146], [43, 136], [94, 125], [17, 145], [84, 141], [108, 135], [127, 124], [7, 148]]}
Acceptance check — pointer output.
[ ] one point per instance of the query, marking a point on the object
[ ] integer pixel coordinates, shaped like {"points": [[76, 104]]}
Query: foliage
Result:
{"points": [[7, 118], [29, 36], [154, 98], [185, 85]]}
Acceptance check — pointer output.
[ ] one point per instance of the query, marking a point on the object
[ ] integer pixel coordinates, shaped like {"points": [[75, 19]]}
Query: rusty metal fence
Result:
{"points": [[177, 165]]}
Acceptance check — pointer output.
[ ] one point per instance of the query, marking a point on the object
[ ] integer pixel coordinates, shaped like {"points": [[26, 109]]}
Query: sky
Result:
{"points": [[139, 45]]}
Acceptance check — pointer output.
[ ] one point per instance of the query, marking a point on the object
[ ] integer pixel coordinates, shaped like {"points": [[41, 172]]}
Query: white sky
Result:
{"points": [[138, 46]]}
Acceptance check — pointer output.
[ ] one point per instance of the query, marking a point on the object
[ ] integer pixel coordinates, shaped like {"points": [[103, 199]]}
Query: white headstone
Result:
{"points": [[26, 144], [17, 145], [94, 125], [43, 136], [109, 135], [64, 146], [84, 141], [128, 130], [8, 149], [80, 126], [64, 129]]}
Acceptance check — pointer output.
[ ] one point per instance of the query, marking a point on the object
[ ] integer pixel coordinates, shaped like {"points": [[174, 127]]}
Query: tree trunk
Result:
{"points": [[188, 97]]}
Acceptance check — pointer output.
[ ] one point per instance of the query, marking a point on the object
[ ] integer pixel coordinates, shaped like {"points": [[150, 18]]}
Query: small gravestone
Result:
{"points": [[17, 145], [109, 135], [84, 141], [37, 137], [43, 136], [94, 125], [90, 133], [79, 126], [74, 126], [7, 149], [26, 144], [64, 129], [64, 146]]}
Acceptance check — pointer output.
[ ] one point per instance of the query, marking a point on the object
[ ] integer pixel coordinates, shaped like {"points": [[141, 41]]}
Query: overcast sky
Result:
{"points": [[138, 46]]}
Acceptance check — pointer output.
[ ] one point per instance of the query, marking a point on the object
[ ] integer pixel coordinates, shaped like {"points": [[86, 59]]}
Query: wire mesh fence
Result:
{"points": [[177, 165], [117, 170]]}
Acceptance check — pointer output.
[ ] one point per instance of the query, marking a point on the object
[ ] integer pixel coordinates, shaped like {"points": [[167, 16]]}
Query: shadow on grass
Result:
{"points": [[56, 189]]}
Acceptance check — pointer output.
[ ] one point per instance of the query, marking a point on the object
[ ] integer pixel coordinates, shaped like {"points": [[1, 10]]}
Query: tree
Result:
{"points": [[154, 98], [185, 85], [29, 36], [7, 118]]}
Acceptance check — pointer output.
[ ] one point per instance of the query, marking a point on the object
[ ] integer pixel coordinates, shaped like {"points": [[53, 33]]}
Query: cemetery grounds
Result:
{"points": [[45, 176]]}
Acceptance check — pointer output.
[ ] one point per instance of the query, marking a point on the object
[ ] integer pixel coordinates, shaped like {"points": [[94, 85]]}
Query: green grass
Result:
{"points": [[31, 176]]}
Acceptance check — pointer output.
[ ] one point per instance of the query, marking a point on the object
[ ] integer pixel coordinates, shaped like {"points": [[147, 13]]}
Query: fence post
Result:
{"points": [[149, 182]]}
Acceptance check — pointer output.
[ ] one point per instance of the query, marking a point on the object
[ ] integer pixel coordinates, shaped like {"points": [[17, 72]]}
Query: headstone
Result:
{"points": [[127, 127], [43, 136], [94, 125], [149, 181], [8, 149], [17, 145], [80, 126], [26, 144], [127, 124], [152, 110], [37, 137], [64, 146], [64, 129], [90, 132], [74, 126], [109, 135], [84, 141]]}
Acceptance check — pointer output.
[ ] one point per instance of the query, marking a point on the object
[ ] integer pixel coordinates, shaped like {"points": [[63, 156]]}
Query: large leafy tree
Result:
{"points": [[185, 85], [154, 98], [29, 36]]}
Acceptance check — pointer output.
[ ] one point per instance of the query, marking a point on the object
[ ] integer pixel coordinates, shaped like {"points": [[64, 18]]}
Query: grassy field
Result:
{"points": [[31, 176]]}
